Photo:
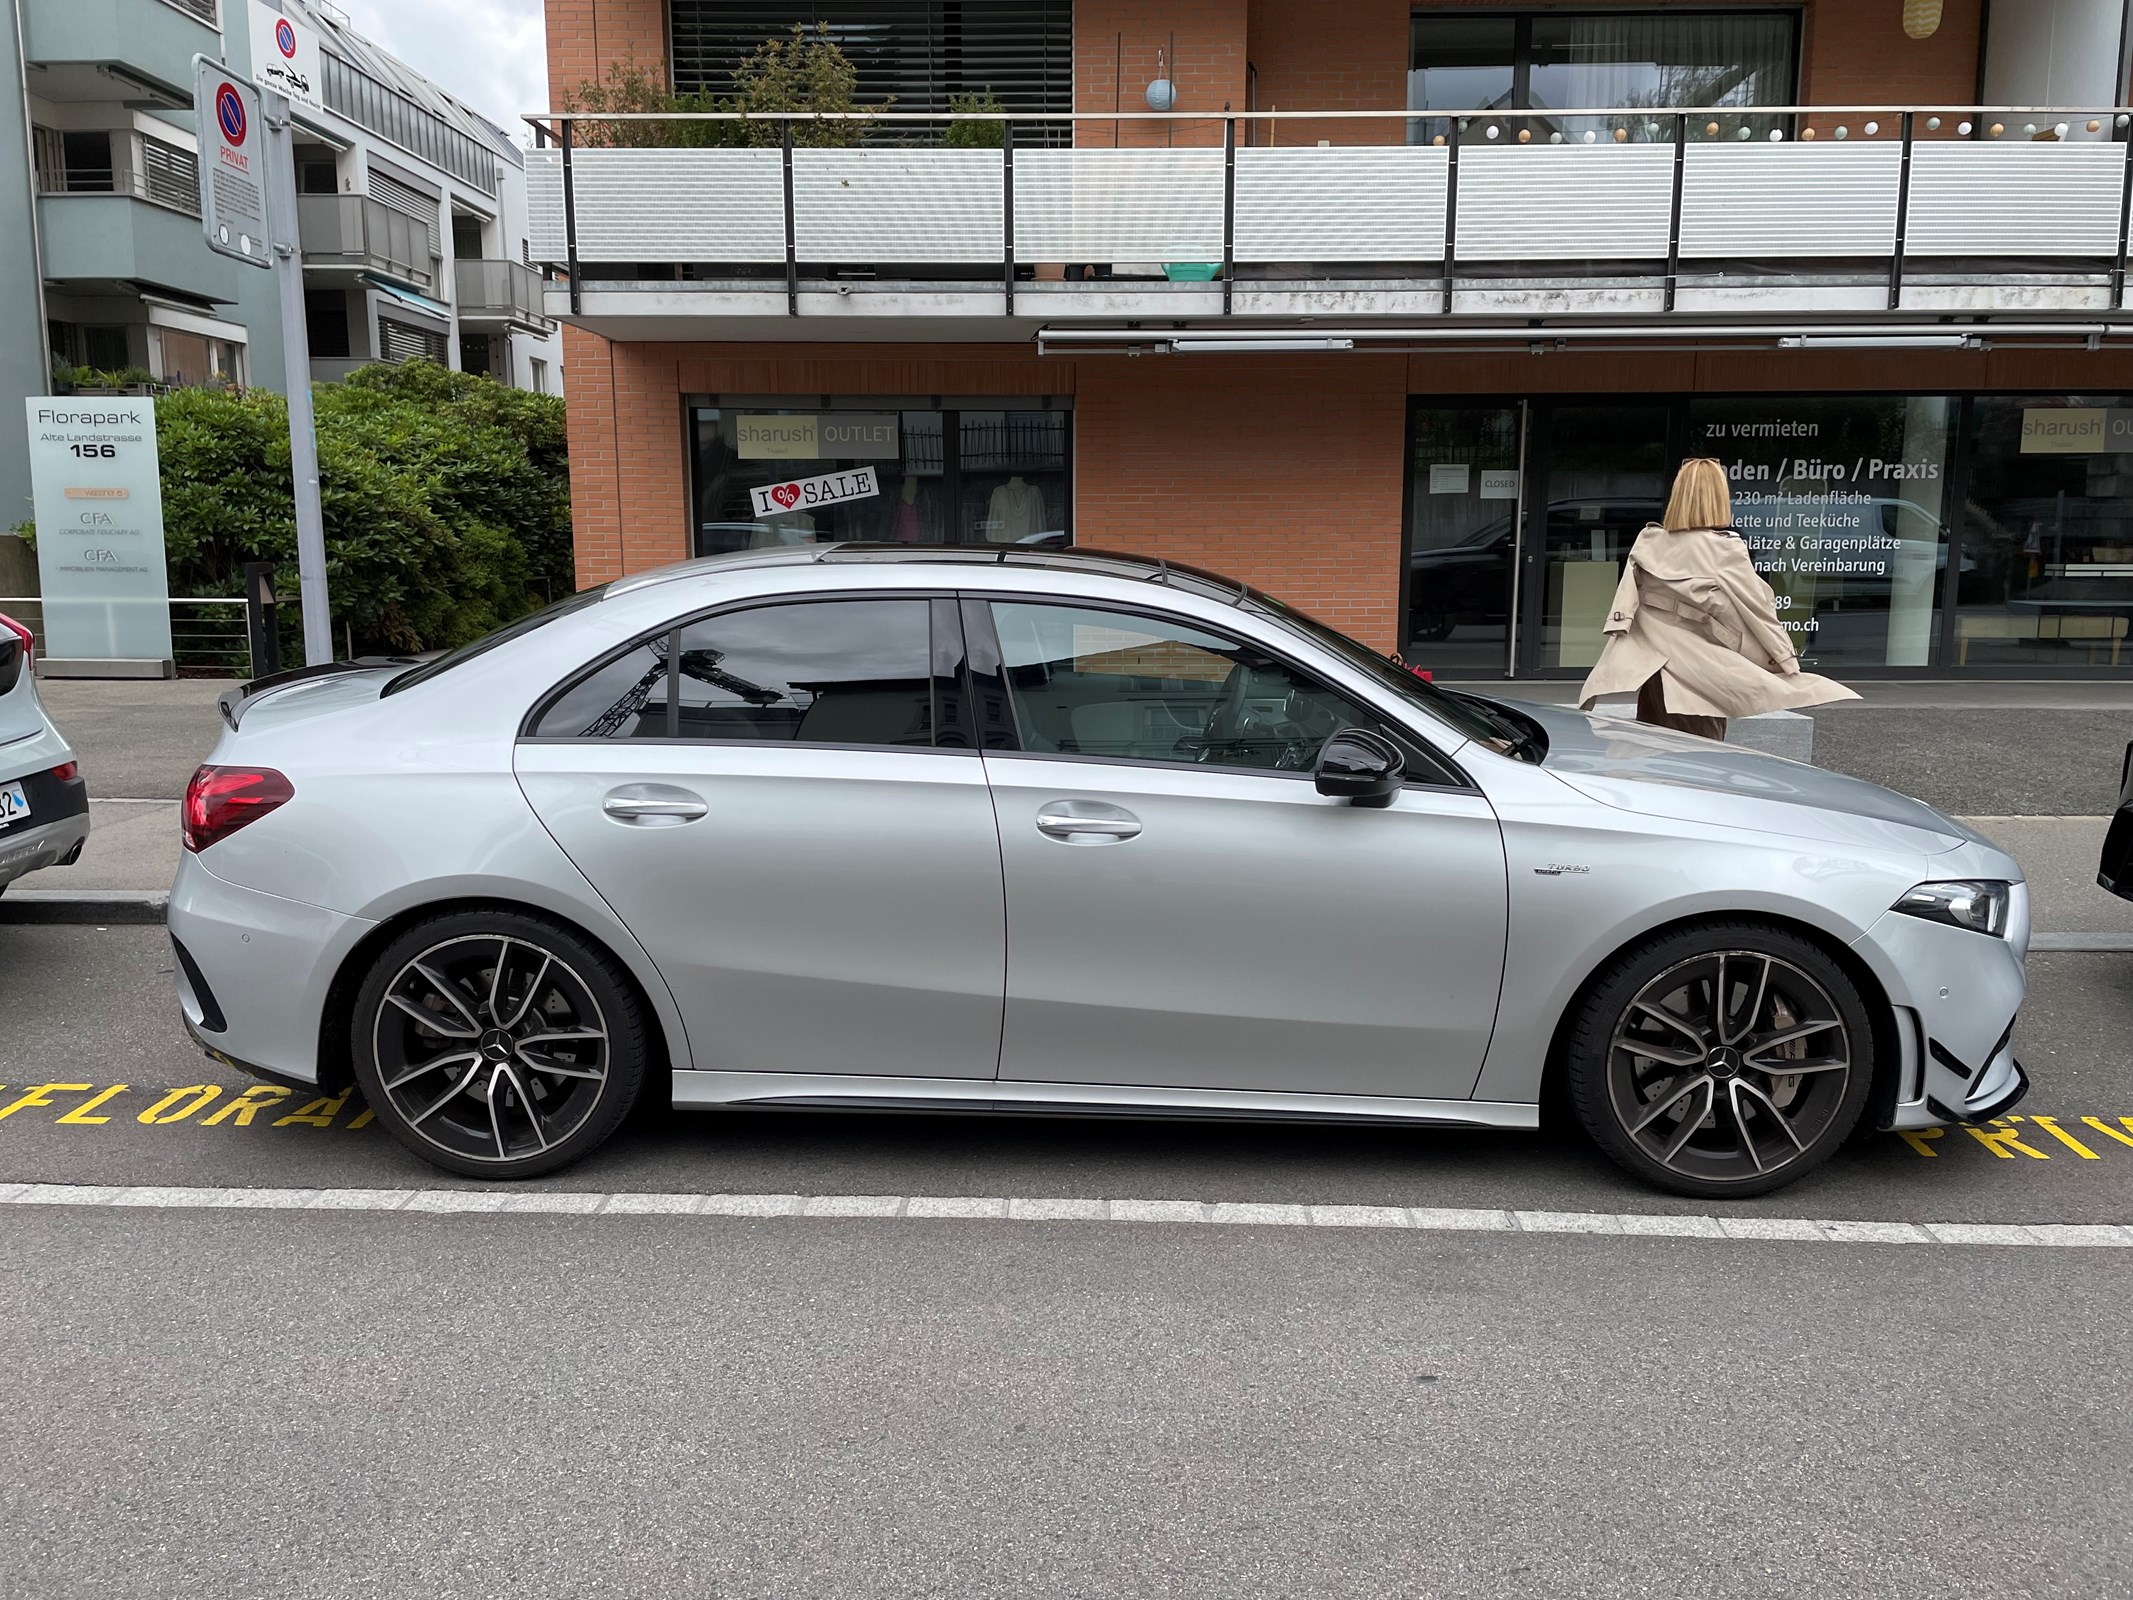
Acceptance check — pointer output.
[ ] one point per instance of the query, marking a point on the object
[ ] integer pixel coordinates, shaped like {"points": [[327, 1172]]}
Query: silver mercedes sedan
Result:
{"points": [[1071, 833]]}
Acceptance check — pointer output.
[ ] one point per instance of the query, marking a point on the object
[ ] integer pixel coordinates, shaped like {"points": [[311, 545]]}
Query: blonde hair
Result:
{"points": [[1700, 498]]}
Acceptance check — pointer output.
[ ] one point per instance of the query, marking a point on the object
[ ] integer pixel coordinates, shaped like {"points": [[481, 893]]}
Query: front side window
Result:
{"points": [[1125, 687], [838, 672]]}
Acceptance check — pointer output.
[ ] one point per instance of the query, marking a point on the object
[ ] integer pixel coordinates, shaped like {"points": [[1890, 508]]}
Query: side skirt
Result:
{"points": [[831, 1091]]}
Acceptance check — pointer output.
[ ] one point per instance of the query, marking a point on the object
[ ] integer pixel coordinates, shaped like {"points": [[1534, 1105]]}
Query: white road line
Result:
{"points": [[1433, 1219]]}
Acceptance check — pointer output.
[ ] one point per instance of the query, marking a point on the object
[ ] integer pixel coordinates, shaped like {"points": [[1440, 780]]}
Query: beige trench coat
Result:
{"points": [[1692, 608]]}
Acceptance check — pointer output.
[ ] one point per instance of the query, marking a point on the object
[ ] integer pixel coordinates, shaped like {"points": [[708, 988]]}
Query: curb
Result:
{"points": [[97, 907]]}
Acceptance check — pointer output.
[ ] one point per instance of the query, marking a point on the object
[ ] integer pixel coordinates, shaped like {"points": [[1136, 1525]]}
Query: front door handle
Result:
{"points": [[1087, 822], [653, 804]]}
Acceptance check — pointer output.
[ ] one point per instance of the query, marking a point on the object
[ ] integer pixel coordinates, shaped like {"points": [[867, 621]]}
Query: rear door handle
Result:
{"points": [[653, 804], [1087, 822]]}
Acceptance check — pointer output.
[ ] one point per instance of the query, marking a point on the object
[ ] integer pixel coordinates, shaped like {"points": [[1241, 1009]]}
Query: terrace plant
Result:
{"points": [[801, 72]]}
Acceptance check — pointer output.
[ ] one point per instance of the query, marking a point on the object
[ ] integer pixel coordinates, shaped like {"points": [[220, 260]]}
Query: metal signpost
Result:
{"points": [[248, 207]]}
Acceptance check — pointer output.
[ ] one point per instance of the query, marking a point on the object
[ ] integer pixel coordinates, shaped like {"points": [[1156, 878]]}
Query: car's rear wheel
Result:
{"points": [[497, 1044], [1726, 1060]]}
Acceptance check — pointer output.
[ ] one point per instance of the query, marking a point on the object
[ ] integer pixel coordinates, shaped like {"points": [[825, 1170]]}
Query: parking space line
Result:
{"points": [[501, 1202]]}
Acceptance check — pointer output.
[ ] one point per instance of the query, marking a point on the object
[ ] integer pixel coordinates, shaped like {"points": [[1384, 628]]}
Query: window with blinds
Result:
{"points": [[402, 341], [170, 176], [407, 200], [918, 51]]}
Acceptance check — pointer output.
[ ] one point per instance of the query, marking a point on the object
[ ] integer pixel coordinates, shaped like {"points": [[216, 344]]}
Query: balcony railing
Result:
{"points": [[356, 231], [1849, 210], [499, 291]]}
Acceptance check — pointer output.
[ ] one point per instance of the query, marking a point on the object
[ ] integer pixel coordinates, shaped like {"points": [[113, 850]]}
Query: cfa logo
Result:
{"points": [[229, 112], [285, 39]]}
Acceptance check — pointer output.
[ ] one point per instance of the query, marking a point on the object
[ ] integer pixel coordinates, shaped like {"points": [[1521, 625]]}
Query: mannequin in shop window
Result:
{"points": [[1693, 636], [1015, 511], [912, 515]]}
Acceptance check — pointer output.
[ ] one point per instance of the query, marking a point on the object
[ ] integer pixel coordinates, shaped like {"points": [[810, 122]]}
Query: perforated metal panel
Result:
{"points": [[1344, 203], [1118, 205], [899, 205], [1564, 202], [1978, 199], [1789, 199], [544, 206], [679, 205]]}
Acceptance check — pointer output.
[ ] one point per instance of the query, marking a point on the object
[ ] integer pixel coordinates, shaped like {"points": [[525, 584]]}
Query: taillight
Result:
{"points": [[67, 771], [220, 800], [29, 640]]}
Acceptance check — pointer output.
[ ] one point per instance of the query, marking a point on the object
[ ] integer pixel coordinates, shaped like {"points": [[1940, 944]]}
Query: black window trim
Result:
{"points": [[934, 614], [1455, 777]]}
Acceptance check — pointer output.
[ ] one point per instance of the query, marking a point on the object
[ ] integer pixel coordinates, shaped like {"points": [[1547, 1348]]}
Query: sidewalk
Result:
{"points": [[2033, 765]]}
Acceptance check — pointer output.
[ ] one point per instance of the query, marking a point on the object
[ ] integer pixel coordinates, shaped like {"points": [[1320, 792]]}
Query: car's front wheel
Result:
{"points": [[1723, 1060], [497, 1044]]}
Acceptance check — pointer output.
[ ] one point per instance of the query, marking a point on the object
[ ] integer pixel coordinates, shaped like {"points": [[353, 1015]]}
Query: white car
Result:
{"points": [[1013, 829], [44, 802]]}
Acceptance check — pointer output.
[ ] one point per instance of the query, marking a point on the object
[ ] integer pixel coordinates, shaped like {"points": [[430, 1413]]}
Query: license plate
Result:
{"points": [[14, 804]]}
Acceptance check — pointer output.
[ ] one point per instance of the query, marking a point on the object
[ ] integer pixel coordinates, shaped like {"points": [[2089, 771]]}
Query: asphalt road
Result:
{"points": [[297, 1403]]}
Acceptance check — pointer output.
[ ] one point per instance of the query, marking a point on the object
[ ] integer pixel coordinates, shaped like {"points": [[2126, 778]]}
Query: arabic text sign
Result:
{"points": [[285, 56], [804, 494], [233, 200], [97, 486]]}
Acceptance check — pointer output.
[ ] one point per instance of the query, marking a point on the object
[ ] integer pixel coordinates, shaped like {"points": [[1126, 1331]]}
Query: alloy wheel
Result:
{"points": [[491, 1048], [1729, 1066]]}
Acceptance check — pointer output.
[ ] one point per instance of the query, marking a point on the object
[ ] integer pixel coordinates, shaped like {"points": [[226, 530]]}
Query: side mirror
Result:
{"points": [[1364, 768]]}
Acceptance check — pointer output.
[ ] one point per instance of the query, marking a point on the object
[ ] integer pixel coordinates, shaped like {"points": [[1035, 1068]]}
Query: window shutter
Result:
{"points": [[919, 51], [409, 202]]}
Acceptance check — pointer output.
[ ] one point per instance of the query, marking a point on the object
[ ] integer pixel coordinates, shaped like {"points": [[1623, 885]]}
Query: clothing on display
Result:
{"points": [[1015, 511]]}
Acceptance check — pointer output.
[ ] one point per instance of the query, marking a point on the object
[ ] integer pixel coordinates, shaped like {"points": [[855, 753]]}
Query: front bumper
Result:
{"points": [[259, 966], [1955, 996]]}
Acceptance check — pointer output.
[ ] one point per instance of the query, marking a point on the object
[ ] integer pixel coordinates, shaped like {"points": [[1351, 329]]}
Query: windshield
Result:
{"points": [[487, 642], [1497, 729]]}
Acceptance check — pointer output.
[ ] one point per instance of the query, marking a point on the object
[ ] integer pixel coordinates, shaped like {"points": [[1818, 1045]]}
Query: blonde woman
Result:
{"points": [[1693, 636]]}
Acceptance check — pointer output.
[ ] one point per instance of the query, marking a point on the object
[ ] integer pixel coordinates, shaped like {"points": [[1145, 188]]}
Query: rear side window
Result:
{"points": [[848, 672]]}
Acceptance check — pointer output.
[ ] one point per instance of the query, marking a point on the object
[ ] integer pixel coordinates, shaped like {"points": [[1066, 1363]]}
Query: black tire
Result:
{"points": [[1742, 999], [531, 1053]]}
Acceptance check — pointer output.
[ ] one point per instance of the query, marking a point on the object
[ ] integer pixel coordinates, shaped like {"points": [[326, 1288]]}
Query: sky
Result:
{"points": [[487, 52]]}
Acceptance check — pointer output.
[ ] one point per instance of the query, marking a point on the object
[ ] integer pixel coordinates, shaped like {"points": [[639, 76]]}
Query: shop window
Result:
{"points": [[2047, 566], [1547, 60], [768, 476], [1844, 505]]}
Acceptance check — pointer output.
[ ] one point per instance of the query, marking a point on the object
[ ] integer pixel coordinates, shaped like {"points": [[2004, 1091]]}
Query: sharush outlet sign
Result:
{"points": [[804, 494]]}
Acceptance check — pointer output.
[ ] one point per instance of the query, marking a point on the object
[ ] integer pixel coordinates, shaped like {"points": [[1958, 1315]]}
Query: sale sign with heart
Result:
{"points": [[804, 494]]}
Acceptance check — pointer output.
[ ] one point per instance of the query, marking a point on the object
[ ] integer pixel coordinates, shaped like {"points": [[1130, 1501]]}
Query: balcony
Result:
{"points": [[1779, 218], [506, 293], [152, 42], [357, 232], [116, 237]]}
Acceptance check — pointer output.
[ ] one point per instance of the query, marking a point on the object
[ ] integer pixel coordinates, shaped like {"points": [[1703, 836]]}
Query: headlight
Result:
{"points": [[1979, 905]]}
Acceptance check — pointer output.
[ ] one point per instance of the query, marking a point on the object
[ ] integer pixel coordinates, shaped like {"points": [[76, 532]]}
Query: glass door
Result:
{"points": [[1605, 474], [1462, 537]]}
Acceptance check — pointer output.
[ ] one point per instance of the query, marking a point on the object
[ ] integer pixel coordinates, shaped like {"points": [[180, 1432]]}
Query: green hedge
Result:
{"points": [[446, 497]]}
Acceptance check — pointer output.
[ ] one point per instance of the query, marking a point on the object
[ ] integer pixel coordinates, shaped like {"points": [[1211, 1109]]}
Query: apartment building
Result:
{"points": [[1403, 311], [412, 216]]}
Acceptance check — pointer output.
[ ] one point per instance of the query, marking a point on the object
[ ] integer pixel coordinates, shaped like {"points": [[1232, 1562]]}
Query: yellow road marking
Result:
{"points": [[167, 1109], [80, 1114], [2051, 1126]]}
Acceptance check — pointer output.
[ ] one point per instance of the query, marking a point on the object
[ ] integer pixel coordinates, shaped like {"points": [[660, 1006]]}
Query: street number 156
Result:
{"points": [[95, 452]]}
